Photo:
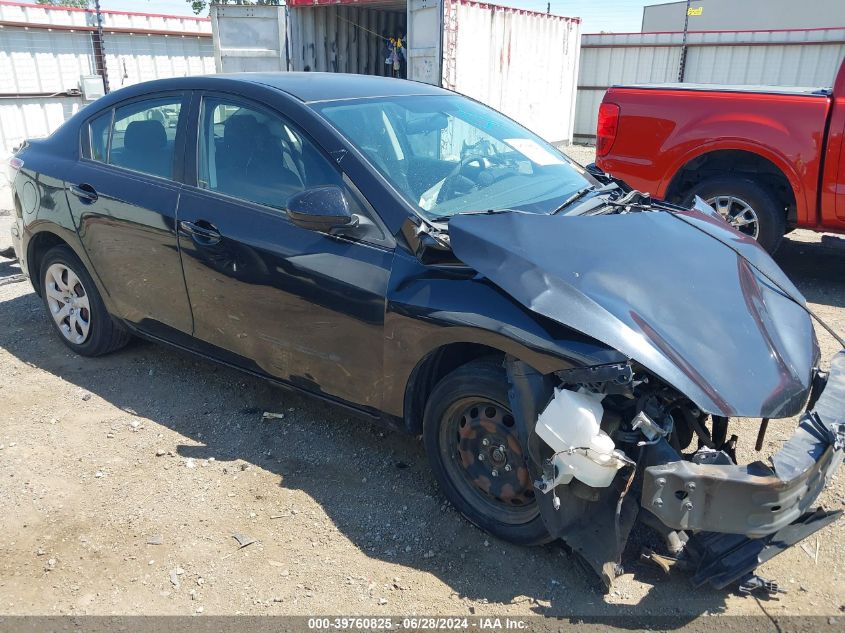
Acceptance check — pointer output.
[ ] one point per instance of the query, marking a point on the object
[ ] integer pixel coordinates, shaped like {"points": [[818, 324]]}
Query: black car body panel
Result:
{"points": [[710, 324], [671, 306]]}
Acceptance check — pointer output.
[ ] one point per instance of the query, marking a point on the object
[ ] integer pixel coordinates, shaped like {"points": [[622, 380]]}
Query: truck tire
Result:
{"points": [[749, 206], [471, 442]]}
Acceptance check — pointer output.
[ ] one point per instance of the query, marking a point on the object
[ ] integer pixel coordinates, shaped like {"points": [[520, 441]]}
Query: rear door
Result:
{"points": [[123, 194], [299, 305]]}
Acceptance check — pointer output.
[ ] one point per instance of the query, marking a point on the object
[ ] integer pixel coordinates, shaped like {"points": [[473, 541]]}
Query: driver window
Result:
{"points": [[253, 155]]}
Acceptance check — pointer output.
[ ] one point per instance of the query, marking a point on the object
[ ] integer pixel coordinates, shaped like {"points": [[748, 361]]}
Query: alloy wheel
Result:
{"points": [[68, 302], [738, 212]]}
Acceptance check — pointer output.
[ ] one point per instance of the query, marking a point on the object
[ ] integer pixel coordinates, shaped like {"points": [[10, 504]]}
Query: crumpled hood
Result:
{"points": [[664, 289]]}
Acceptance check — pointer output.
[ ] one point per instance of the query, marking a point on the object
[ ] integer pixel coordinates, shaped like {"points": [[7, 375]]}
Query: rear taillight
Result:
{"points": [[606, 128], [15, 165]]}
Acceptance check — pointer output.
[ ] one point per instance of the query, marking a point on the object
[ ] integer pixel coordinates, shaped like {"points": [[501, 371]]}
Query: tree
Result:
{"points": [[73, 4], [199, 6]]}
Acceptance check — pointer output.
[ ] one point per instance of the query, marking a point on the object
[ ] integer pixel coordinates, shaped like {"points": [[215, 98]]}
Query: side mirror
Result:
{"points": [[321, 209]]}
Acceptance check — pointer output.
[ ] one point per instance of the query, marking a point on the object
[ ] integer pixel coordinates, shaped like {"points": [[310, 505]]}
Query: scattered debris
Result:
{"points": [[174, 578], [99, 474], [12, 279], [243, 540], [269, 415], [664, 562], [382, 600], [155, 540], [86, 396], [161, 452], [812, 553]]}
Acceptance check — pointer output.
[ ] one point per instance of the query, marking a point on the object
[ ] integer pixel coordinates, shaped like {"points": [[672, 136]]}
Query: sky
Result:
{"points": [[597, 15]]}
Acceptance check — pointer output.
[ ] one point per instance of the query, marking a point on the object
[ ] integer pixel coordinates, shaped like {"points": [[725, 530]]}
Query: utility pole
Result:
{"points": [[548, 8], [683, 63], [99, 48]]}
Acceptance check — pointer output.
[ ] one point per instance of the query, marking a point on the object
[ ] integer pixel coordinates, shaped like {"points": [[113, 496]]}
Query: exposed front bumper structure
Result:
{"points": [[755, 500], [736, 516]]}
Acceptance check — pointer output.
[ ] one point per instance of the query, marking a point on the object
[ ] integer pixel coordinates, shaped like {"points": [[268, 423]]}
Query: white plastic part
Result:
{"points": [[570, 424]]}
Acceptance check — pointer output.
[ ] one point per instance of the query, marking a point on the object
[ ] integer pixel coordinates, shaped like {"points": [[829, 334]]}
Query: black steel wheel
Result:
{"points": [[471, 440]]}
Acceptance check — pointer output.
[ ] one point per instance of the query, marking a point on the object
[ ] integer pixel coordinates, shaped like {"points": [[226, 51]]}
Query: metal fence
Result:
{"points": [[46, 51], [795, 57]]}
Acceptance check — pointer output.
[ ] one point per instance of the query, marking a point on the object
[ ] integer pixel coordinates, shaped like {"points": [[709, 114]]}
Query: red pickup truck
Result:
{"points": [[769, 159]]}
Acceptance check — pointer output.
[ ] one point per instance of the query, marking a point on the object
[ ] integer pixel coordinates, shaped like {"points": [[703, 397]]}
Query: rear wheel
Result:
{"points": [[74, 306], [749, 207], [471, 439]]}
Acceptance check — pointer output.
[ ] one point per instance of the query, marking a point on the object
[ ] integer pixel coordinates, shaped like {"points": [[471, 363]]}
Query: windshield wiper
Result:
{"points": [[446, 218], [573, 198]]}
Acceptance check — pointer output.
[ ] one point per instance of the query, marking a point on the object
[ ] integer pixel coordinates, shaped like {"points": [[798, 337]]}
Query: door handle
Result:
{"points": [[202, 232], [85, 192]]}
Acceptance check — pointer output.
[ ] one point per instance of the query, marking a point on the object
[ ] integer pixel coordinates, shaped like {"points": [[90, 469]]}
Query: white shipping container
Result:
{"points": [[521, 62]]}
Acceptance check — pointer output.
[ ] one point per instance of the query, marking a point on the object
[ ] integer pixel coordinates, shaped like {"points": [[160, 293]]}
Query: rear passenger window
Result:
{"points": [[140, 136], [99, 135]]}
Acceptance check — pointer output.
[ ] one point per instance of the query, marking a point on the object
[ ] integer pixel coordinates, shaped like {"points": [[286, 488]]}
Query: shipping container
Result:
{"points": [[521, 62]]}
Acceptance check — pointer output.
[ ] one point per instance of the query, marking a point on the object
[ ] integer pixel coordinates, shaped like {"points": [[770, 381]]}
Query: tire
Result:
{"points": [[74, 306], [466, 407], [769, 212]]}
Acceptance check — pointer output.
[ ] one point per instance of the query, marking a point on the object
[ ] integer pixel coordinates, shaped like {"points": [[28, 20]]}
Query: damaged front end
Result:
{"points": [[719, 520], [713, 330]]}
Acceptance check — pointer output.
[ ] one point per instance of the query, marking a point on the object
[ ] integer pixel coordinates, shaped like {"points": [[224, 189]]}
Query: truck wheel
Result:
{"points": [[748, 206], [76, 309], [471, 441]]}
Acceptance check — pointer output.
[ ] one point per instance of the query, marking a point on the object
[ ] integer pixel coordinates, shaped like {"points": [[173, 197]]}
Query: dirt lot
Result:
{"points": [[123, 480]]}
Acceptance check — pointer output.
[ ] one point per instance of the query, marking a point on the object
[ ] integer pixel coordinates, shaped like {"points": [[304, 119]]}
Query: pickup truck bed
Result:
{"points": [[766, 157]]}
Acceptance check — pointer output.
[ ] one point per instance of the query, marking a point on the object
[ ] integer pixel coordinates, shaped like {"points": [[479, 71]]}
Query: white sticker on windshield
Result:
{"points": [[533, 151]]}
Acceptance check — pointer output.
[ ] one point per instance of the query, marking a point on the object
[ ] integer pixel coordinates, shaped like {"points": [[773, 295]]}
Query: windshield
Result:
{"points": [[448, 155]]}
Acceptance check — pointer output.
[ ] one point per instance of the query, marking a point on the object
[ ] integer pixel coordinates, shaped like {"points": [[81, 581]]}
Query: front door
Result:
{"points": [[299, 305], [123, 195]]}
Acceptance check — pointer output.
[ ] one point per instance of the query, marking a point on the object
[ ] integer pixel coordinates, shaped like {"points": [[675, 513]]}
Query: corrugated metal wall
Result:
{"points": [[778, 58], [522, 63], [344, 39], [131, 59], [42, 61], [33, 118], [36, 62], [31, 13]]}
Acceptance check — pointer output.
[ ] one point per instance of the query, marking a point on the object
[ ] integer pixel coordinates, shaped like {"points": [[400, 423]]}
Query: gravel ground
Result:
{"points": [[124, 479]]}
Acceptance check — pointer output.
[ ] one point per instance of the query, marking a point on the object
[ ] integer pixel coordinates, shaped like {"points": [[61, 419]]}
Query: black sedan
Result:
{"points": [[569, 350]]}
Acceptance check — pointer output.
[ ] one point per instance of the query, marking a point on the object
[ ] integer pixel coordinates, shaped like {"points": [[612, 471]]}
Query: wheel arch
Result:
{"points": [[753, 165], [39, 244]]}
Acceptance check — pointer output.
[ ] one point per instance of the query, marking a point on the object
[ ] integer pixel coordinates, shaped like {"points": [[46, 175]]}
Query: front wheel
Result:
{"points": [[471, 440], [76, 309], [749, 207]]}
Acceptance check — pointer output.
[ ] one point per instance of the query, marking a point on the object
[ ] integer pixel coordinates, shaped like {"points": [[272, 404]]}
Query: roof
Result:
{"points": [[311, 87]]}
